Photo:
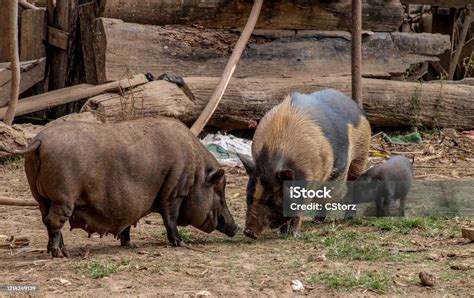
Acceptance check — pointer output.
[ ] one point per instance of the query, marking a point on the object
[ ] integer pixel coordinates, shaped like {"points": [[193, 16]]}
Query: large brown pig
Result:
{"points": [[104, 177], [323, 136]]}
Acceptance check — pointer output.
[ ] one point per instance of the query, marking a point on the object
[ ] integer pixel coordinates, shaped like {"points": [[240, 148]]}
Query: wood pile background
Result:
{"points": [[299, 45]]}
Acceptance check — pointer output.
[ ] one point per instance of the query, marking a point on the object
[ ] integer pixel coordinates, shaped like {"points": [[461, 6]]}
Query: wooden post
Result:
{"points": [[33, 34], [4, 31], [64, 20], [86, 23], [443, 22], [15, 63], [357, 51], [460, 45]]}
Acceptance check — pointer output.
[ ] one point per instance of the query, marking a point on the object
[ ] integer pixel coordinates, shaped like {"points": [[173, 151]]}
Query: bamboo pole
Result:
{"points": [[228, 70]]}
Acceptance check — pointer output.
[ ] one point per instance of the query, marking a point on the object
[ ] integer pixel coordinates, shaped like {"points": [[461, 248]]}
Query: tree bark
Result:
{"points": [[121, 47], [387, 103], [381, 15]]}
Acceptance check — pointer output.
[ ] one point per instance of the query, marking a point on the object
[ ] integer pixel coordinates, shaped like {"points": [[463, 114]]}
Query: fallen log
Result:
{"points": [[381, 15], [70, 94], [186, 51], [387, 103], [17, 202]]}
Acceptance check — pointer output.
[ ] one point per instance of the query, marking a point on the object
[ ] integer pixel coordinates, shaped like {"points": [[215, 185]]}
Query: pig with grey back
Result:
{"points": [[103, 178], [383, 184]]}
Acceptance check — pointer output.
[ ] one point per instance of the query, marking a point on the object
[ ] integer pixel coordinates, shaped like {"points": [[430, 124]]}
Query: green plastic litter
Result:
{"points": [[411, 138], [221, 152]]}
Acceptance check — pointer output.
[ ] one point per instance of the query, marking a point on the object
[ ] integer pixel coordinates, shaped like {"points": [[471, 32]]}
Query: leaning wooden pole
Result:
{"points": [[15, 63], [357, 51], [228, 70]]}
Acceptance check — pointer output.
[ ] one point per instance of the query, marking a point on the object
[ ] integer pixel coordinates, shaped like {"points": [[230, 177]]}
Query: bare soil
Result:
{"points": [[362, 257]]}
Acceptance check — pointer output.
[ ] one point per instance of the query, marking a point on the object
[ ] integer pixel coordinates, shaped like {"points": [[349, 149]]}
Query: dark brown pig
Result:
{"points": [[104, 177], [383, 184], [323, 136]]}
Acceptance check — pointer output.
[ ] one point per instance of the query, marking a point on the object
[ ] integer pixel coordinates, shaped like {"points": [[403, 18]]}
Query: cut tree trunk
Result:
{"points": [[381, 15], [387, 103], [121, 47]]}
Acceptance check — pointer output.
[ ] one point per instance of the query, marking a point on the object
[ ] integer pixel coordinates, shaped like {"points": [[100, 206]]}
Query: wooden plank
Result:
{"points": [[86, 23], [4, 31], [381, 15], [70, 94], [120, 47], [440, 3], [58, 38], [33, 34], [31, 74]]}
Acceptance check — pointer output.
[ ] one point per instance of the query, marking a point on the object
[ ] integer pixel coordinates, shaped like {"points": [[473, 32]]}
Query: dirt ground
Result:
{"points": [[363, 256]]}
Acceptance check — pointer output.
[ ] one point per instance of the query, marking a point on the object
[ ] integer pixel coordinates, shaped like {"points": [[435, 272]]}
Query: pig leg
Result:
{"points": [[292, 227], [402, 207], [349, 199], [125, 237], [54, 221], [170, 219], [285, 228], [379, 206], [386, 206]]}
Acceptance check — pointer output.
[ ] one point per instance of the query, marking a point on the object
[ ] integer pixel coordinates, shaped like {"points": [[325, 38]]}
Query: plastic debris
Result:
{"points": [[225, 148], [411, 138], [297, 286]]}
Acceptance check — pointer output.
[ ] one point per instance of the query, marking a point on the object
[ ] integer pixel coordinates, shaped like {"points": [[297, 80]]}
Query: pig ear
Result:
{"points": [[248, 163], [286, 175], [215, 176]]}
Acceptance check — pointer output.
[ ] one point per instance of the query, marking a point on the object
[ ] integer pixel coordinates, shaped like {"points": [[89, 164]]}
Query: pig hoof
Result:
{"points": [[65, 252], [177, 243], [125, 243], [56, 252], [319, 219], [295, 234]]}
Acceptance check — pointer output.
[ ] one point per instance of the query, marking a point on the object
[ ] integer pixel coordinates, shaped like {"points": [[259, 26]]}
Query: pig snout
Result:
{"points": [[249, 233], [227, 226]]}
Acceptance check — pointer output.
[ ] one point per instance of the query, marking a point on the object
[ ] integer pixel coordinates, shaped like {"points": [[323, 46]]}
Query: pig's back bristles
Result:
{"points": [[288, 130]]}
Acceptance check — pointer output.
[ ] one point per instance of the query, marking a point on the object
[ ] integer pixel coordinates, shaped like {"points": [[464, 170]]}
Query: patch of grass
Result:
{"points": [[353, 246], [96, 269], [429, 225], [349, 281]]}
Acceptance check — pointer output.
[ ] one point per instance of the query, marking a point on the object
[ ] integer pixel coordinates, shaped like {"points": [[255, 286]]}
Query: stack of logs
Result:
{"points": [[298, 45]]}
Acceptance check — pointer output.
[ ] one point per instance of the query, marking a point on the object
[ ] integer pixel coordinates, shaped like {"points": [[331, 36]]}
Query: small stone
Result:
{"points": [[427, 279], [433, 257]]}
